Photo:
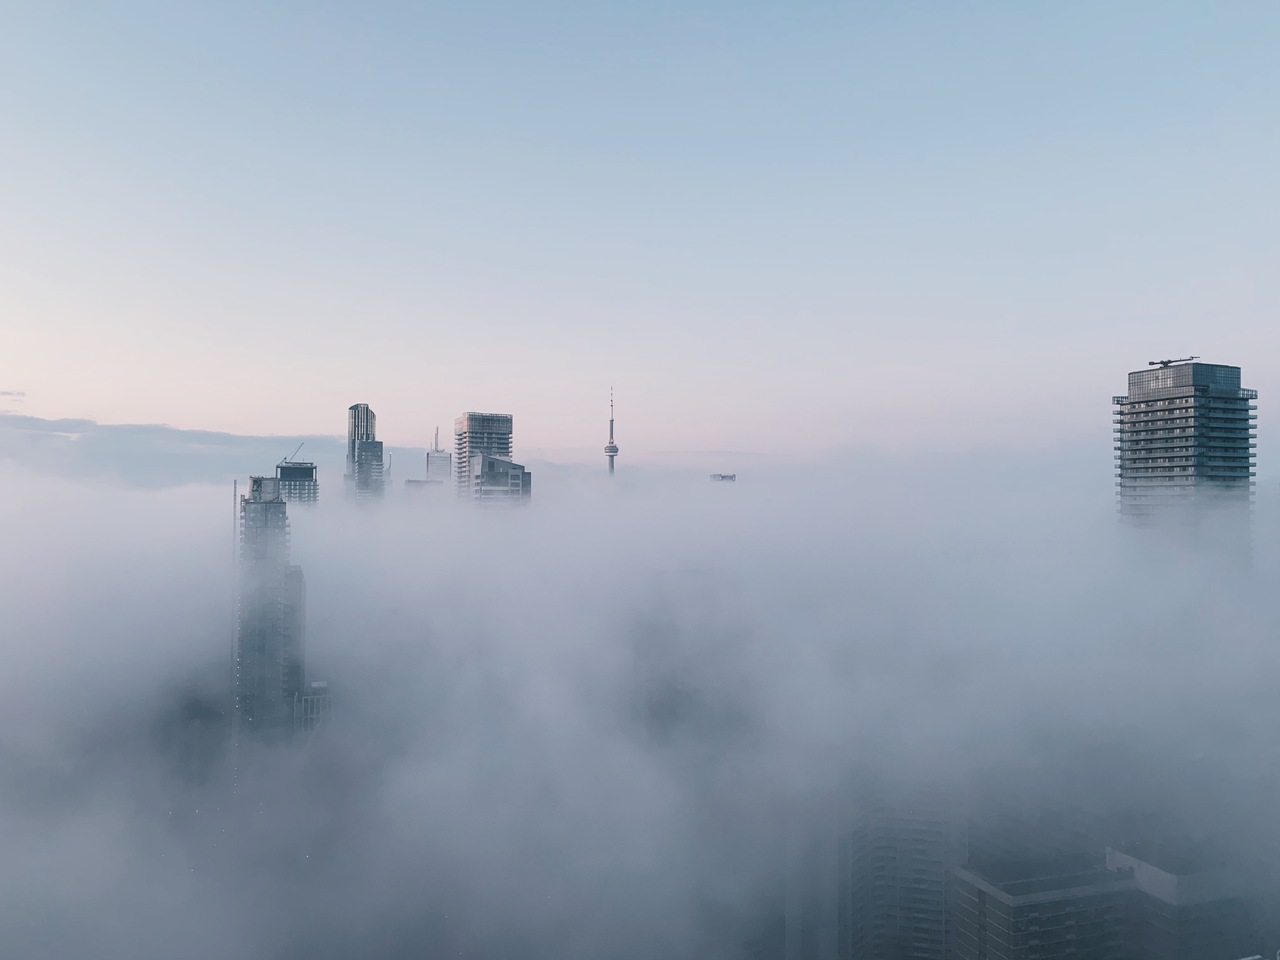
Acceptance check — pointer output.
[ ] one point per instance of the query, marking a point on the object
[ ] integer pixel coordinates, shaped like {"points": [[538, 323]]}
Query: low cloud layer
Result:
{"points": [[588, 728]]}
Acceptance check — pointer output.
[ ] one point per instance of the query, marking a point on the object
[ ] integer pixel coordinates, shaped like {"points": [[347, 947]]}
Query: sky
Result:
{"points": [[814, 226]]}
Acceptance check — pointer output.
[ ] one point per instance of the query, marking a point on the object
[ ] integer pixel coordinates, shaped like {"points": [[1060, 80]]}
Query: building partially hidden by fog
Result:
{"points": [[439, 471], [1179, 909], [1039, 911], [896, 865], [483, 468], [271, 696], [297, 481], [439, 462], [364, 476], [1184, 442]]}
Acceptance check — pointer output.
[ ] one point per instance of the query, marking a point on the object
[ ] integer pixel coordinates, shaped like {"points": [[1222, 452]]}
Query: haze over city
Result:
{"points": [[927, 613]]}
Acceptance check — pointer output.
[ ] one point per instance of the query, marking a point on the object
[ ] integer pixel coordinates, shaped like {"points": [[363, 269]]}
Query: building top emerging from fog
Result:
{"points": [[365, 479], [1184, 436], [297, 481], [483, 466]]}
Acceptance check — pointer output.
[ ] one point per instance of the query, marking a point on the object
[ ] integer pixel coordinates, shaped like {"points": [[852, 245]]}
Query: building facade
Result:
{"points": [[271, 617], [1181, 910], [488, 433], [896, 868], [1039, 911], [483, 468], [496, 480], [365, 478], [297, 480], [1184, 441]]}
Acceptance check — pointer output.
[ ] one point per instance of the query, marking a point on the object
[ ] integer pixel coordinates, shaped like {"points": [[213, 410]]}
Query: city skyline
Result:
{"points": [[929, 615]]}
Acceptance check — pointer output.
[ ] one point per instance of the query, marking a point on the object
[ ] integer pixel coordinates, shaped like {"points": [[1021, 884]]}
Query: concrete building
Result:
{"points": [[896, 868], [1038, 911], [297, 480], [271, 617], [488, 433], [496, 480], [1182, 910], [364, 477], [1184, 441], [483, 468]]}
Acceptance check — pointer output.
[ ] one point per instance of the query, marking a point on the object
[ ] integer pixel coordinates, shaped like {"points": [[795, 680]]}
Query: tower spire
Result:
{"points": [[611, 449]]}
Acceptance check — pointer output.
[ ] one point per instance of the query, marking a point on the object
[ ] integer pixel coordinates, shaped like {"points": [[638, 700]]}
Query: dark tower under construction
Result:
{"points": [[273, 699]]}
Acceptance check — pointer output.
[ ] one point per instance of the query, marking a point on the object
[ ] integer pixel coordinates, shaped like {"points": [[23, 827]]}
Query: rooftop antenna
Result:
{"points": [[435, 448], [1165, 363], [611, 449], [289, 458]]}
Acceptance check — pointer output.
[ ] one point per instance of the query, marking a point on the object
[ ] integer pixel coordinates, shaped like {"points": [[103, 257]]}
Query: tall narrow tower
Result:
{"points": [[365, 478], [611, 448]]}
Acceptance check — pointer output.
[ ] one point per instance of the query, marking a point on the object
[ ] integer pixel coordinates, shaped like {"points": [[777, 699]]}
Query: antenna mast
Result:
{"points": [[611, 449]]}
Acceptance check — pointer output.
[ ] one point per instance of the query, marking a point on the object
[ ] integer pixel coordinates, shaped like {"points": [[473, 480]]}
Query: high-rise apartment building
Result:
{"points": [[297, 481], [364, 477], [483, 468], [1184, 441], [896, 866], [271, 617], [479, 433]]}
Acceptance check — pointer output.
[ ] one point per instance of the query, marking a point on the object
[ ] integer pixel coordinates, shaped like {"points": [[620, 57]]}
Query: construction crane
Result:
{"points": [[1165, 363], [289, 458]]}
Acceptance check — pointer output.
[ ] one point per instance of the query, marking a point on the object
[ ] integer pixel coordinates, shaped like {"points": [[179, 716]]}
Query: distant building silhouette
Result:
{"points": [[611, 448], [1039, 911], [1181, 910], [271, 616], [895, 869], [439, 463], [364, 477]]}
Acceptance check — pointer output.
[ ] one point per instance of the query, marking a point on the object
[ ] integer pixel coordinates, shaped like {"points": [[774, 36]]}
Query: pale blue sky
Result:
{"points": [[765, 224]]}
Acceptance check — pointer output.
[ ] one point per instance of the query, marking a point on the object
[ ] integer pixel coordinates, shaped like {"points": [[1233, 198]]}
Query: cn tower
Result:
{"points": [[611, 448]]}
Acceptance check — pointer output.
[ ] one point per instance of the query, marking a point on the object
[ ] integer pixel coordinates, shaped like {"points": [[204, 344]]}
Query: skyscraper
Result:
{"points": [[1184, 441], [611, 448], [483, 467], [364, 477], [271, 617], [496, 480]]}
